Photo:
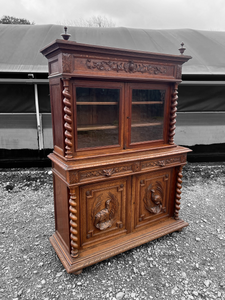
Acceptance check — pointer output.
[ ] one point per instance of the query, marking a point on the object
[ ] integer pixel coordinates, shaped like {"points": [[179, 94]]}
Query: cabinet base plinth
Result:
{"points": [[90, 256], [77, 272]]}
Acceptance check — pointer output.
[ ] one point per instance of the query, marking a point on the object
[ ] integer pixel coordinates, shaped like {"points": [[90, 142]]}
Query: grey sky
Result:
{"points": [[152, 14]]}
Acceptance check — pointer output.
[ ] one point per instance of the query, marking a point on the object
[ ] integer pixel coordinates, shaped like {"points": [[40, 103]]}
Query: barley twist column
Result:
{"points": [[173, 115], [67, 119], [178, 192], [73, 223]]}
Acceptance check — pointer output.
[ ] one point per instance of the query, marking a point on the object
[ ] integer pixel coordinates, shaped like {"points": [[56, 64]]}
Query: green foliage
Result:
{"points": [[13, 20]]}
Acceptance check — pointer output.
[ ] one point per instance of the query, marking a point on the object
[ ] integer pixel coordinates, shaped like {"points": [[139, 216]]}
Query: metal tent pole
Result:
{"points": [[39, 119]]}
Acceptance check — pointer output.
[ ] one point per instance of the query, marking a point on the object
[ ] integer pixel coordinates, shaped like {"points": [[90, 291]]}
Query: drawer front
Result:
{"points": [[104, 211], [152, 197], [121, 169]]}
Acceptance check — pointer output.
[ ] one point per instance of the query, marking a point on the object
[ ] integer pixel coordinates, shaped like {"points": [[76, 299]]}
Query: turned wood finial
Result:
{"points": [[182, 49], [65, 35]]}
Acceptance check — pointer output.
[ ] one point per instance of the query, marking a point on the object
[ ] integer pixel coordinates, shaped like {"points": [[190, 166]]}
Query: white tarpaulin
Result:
{"points": [[21, 45]]}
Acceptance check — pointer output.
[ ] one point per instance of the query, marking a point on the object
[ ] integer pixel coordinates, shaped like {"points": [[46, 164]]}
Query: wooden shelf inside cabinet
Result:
{"points": [[96, 127], [147, 124], [97, 103], [146, 102], [117, 172]]}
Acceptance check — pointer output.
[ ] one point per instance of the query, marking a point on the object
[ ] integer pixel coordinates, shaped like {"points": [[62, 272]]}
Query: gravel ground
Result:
{"points": [[185, 265]]}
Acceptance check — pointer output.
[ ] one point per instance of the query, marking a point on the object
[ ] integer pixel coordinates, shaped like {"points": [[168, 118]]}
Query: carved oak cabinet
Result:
{"points": [[117, 172]]}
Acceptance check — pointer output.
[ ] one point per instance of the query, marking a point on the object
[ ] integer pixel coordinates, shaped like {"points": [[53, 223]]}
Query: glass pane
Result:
{"points": [[97, 117], [147, 115]]}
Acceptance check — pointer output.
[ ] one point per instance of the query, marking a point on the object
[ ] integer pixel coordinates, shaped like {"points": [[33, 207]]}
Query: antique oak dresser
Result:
{"points": [[116, 169]]}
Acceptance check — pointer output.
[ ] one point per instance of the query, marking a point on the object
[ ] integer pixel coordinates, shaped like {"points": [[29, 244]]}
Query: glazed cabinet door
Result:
{"points": [[98, 114], [153, 197], [146, 114], [105, 211]]}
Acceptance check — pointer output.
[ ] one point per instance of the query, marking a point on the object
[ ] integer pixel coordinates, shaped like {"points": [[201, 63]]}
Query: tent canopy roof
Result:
{"points": [[21, 45]]}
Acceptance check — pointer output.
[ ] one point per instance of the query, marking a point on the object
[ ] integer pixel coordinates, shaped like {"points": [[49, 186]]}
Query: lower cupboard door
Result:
{"points": [[105, 209], [153, 197]]}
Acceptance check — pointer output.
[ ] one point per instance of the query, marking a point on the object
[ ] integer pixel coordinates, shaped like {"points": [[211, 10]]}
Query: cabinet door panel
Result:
{"points": [[104, 210], [99, 115], [152, 197], [146, 110]]}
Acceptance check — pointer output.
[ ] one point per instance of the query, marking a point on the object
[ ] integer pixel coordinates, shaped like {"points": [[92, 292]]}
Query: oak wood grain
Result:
{"points": [[115, 190]]}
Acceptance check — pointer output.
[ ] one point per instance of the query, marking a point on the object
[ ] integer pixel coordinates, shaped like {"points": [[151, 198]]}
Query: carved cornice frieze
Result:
{"points": [[128, 67]]}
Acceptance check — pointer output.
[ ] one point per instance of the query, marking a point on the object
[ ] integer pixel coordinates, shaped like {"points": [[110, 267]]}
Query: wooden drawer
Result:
{"points": [[105, 209]]}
